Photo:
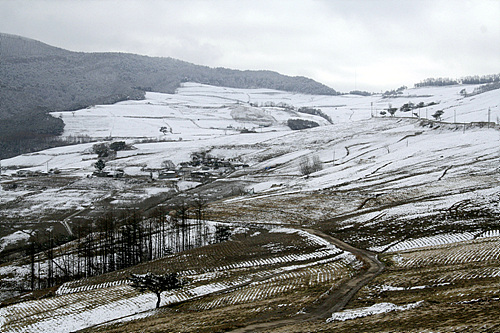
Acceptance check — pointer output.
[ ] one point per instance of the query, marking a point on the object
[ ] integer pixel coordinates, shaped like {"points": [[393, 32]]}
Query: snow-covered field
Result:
{"points": [[388, 158], [204, 117], [198, 111]]}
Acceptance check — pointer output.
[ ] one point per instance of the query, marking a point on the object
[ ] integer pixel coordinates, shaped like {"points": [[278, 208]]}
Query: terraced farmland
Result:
{"points": [[296, 263], [432, 294], [458, 282], [481, 250]]}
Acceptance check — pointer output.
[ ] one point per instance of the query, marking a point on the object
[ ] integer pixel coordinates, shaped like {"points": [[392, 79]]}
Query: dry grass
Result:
{"points": [[461, 296], [273, 275], [459, 283]]}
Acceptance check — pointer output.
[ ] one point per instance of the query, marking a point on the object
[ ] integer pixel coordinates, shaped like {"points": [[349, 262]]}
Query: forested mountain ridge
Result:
{"points": [[36, 78]]}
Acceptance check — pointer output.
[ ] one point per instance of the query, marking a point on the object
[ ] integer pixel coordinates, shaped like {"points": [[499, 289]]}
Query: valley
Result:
{"points": [[304, 210]]}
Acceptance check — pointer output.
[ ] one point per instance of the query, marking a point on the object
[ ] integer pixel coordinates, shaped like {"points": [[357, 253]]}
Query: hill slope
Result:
{"points": [[423, 194], [36, 78]]}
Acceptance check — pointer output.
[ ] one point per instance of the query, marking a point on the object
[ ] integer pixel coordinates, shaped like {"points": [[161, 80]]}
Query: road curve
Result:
{"points": [[338, 297]]}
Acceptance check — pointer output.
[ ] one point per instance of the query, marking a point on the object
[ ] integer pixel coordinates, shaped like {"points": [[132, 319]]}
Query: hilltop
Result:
{"points": [[36, 78]]}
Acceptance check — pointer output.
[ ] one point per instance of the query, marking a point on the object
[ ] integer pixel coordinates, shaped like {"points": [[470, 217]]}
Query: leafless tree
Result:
{"points": [[156, 283]]}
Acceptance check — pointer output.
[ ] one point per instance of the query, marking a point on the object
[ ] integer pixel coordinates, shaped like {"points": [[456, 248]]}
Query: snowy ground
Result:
{"points": [[411, 169], [371, 310], [357, 152], [78, 308], [204, 117]]}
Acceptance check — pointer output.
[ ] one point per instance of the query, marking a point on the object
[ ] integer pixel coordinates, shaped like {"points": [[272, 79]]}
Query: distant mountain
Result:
{"points": [[36, 78]]}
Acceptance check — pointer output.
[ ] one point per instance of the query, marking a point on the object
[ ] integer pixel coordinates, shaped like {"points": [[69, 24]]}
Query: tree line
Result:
{"points": [[116, 241], [475, 79]]}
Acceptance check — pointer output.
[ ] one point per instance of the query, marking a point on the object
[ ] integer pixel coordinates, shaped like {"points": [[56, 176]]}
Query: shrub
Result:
{"points": [[118, 145], [299, 124], [308, 166]]}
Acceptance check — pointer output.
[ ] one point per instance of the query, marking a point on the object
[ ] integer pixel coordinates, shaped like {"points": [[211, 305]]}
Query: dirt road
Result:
{"points": [[338, 297]]}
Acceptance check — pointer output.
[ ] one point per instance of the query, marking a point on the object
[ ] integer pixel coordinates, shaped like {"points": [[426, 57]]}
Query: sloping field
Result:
{"points": [[427, 295], [459, 284], [256, 268], [424, 195]]}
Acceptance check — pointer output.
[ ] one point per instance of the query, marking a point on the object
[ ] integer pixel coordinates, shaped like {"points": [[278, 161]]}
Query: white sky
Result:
{"points": [[346, 44]]}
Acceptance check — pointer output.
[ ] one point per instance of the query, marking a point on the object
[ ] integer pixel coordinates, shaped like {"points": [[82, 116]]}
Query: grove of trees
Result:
{"points": [[475, 79], [310, 165], [300, 124], [116, 241], [316, 112]]}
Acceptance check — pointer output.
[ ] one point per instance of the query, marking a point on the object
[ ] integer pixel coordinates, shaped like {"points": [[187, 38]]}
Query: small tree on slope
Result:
{"points": [[156, 283], [99, 165]]}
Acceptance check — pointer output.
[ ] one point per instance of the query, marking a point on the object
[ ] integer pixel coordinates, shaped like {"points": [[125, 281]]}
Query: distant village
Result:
{"points": [[202, 167]]}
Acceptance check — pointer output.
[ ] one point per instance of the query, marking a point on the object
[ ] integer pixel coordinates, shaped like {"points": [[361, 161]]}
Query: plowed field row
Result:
{"points": [[452, 254], [280, 284]]}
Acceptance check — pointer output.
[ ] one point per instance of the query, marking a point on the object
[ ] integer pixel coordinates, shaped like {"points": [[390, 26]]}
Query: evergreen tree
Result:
{"points": [[99, 165]]}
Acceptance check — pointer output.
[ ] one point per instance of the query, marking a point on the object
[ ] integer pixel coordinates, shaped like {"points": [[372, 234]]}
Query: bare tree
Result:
{"points": [[199, 207], [308, 166], [156, 283]]}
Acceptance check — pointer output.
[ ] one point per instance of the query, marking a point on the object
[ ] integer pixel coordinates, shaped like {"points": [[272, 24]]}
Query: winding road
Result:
{"points": [[337, 299]]}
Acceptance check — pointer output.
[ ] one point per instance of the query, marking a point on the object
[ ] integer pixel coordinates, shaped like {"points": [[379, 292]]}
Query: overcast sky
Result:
{"points": [[346, 44]]}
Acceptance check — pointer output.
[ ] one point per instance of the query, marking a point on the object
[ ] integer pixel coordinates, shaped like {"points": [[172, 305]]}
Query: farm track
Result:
{"points": [[337, 298]]}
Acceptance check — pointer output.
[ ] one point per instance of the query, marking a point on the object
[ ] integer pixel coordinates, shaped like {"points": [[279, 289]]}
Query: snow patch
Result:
{"points": [[425, 242], [13, 239], [310, 237], [371, 310]]}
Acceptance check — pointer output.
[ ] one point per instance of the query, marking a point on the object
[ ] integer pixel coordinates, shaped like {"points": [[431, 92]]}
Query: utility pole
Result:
{"points": [[355, 79], [489, 116], [371, 109]]}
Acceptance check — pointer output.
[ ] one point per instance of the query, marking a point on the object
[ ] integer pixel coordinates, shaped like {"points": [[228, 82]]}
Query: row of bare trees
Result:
{"points": [[119, 240]]}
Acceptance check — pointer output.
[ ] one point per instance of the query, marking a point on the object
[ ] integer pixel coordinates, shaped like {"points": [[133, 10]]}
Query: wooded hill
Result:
{"points": [[36, 78]]}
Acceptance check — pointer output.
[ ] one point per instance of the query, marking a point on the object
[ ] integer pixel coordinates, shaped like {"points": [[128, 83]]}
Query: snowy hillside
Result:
{"points": [[198, 111], [204, 113], [356, 151], [402, 185]]}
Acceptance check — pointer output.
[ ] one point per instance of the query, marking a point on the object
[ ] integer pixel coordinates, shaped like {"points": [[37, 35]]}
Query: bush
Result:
{"points": [[308, 166], [101, 149], [299, 124], [118, 145]]}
